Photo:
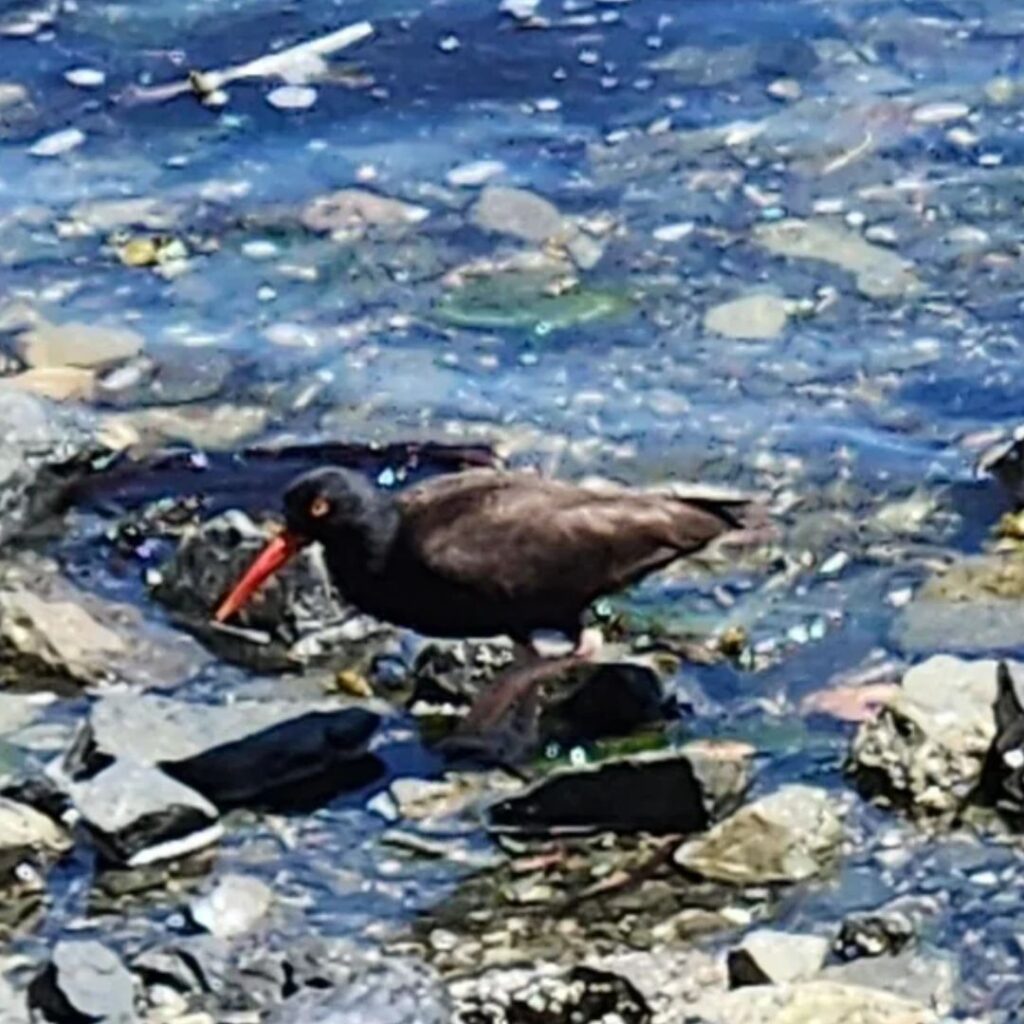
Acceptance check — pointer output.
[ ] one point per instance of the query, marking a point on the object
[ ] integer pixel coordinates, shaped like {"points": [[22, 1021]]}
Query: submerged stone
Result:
{"points": [[76, 344], [526, 302], [751, 318]]}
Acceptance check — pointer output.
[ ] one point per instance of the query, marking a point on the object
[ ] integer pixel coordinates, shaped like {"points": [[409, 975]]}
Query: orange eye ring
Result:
{"points": [[319, 507]]}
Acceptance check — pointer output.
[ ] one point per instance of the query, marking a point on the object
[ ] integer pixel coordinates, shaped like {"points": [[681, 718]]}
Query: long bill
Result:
{"points": [[275, 555]]}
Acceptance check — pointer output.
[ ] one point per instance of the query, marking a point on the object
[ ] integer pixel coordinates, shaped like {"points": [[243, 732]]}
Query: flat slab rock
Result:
{"points": [[926, 748], [50, 627], [787, 836], [137, 815], [84, 981], [228, 752], [811, 1002], [44, 448], [666, 792]]}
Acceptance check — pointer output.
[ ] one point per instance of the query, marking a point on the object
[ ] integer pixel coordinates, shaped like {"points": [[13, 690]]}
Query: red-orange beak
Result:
{"points": [[275, 555]]}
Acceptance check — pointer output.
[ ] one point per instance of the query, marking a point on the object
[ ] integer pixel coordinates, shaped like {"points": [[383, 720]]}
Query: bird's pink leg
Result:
{"points": [[589, 645]]}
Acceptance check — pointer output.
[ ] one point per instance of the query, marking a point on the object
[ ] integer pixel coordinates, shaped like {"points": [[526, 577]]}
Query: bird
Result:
{"points": [[487, 552]]}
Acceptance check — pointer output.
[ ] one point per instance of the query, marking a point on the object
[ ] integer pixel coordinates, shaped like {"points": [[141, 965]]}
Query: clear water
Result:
{"points": [[858, 403]]}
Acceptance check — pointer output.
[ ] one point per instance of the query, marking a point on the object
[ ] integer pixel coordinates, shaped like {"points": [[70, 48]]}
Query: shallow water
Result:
{"points": [[859, 402]]}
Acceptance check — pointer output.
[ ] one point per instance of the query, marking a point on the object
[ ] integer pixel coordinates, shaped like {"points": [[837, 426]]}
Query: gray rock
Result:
{"points": [[13, 1004], [522, 214], [23, 828], [70, 344], [51, 628], [44, 448], [750, 318], [235, 905], [675, 792], [926, 748], [231, 753], [84, 981], [925, 978], [810, 1002], [768, 957], [880, 273], [138, 815], [378, 991], [296, 611], [170, 376], [788, 836], [354, 209]]}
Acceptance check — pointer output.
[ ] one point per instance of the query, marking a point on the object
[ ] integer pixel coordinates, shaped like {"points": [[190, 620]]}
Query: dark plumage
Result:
{"points": [[486, 552]]}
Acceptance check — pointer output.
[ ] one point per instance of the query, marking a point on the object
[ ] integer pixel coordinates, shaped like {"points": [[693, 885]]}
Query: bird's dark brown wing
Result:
{"points": [[518, 537]]}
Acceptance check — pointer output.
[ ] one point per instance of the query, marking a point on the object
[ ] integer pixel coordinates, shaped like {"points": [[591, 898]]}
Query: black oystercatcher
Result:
{"points": [[486, 552]]}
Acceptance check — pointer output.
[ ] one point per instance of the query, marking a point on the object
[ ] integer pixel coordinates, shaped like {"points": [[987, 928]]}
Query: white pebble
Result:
{"points": [[940, 113], [85, 78], [58, 143], [471, 175], [292, 97], [835, 565], [674, 232], [449, 44], [259, 249]]}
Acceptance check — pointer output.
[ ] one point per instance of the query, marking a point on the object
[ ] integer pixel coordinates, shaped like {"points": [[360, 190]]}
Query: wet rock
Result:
{"points": [[1004, 460], [519, 213], [769, 957], [109, 215], [215, 427], [882, 932], [880, 273], [435, 804], [606, 698], [84, 982], [74, 344], [527, 301], [940, 113], [927, 979], [58, 638], [752, 318], [44, 450], [369, 987], [58, 383], [170, 377], [474, 174], [788, 836], [24, 829], [695, 66], [50, 628], [354, 210], [924, 751], [811, 1002], [292, 97], [296, 618], [665, 793], [137, 815], [13, 1005], [58, 143], [235, 906], [231, 753]]}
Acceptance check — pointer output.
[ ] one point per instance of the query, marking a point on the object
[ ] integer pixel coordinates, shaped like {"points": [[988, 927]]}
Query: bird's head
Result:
{"points": [[331, 505]]}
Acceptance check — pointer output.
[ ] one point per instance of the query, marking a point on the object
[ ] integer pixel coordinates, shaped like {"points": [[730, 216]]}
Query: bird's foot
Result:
{"points": [[589, 645]]}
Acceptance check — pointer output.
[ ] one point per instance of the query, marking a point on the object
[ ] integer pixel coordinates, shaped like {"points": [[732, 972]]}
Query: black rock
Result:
{"points": [[662, 793], [84, 983], [611, 699], [233, 754]]}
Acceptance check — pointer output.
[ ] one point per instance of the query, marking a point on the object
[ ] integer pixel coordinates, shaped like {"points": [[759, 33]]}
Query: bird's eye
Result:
{"points": [[319, 507]]}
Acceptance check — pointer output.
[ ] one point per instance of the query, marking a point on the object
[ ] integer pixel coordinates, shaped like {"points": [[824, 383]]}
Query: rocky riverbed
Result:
{"points": [[766, 244]]}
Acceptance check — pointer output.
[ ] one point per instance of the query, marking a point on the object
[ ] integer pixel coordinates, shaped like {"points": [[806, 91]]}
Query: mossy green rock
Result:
{"points": [[519, 302]]}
